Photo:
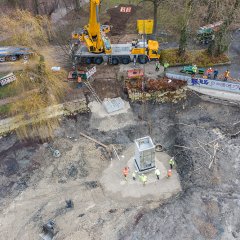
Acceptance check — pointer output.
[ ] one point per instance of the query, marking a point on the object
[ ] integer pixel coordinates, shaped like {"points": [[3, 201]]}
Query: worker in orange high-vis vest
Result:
{"points": [[169, 174], [79, 81], [226, 75], [125, 172]]}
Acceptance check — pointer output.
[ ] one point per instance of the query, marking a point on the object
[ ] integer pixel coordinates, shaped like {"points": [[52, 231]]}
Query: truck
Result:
{"points": [[120, 54], [206, 33], [91, 45], [13, 54]]}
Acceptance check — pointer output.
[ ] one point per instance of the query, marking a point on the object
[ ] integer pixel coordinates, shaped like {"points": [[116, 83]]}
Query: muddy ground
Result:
{"points": [[208, 207], [34, 185]]}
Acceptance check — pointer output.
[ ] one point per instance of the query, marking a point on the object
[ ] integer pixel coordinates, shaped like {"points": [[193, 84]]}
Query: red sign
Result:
{"points": [[126, 9]]}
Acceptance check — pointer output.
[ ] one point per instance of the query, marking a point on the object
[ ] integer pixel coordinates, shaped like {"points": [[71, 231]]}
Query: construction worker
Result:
{"points": [[194, 70], [157, 173], [171, 163], [79, 82], [169, 173], [215, 74], [209, 73], [134, 175], [134, 60], [144, 179], [125, 172], [165, 66], [157, 66], [226, 75]]}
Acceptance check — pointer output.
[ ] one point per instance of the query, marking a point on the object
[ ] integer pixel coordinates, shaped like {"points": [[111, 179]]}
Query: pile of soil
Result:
{"points": [[119, 19]]}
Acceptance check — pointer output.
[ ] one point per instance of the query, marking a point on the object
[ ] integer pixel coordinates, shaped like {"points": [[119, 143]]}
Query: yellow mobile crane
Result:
{"points": [[95, 47]]}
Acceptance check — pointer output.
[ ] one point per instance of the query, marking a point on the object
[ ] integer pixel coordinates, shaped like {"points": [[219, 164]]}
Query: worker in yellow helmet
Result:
{"points": [[157, 173], [171, 163]]}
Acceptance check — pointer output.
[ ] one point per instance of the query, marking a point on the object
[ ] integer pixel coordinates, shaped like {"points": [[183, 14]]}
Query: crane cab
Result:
{"points": [[153, 50]]}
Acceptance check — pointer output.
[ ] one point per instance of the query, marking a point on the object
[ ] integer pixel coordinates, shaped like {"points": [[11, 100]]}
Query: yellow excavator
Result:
{"points": [[95, 47]]}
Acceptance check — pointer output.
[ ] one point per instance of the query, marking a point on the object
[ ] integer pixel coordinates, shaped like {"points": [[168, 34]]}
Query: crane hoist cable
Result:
{"points": [[145, 115]]}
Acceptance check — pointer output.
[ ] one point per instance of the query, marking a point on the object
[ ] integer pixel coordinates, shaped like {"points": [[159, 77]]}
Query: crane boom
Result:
{"points": [[94, 38], [94, 25]]}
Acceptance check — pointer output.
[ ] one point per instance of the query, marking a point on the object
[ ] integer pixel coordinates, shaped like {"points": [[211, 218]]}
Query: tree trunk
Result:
{"points": [[155, 13], [184, 29], [13, 3], [221, 42], [36, 7], [213, 8], [77, 5]]}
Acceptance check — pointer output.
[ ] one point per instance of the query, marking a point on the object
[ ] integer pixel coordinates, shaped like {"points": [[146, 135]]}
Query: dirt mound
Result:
{"points": [[119, 17]]}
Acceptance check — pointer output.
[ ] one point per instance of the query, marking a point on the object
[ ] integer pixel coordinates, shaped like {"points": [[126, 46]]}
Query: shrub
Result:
{"points": [[199, 57]]}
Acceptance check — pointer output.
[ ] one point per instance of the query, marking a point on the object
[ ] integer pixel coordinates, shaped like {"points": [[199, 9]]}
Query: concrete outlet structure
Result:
{"points": [[117, 187], [144, 154]]}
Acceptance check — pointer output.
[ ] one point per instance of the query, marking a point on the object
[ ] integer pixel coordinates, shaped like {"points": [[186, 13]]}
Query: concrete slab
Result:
{"points": [[113, 104], [104, 121], [114, 183]]}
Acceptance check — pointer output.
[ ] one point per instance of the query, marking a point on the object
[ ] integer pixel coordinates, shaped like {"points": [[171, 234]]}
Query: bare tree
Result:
{"points": [[77, 5], [221, 40], [212, 11], [156, 4], [188, 6]]}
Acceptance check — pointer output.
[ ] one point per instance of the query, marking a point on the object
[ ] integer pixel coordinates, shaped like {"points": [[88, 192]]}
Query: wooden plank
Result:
{"points": [[94, 140]]}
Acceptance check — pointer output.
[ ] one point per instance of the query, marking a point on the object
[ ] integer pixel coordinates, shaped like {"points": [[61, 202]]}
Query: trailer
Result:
{"points": [[121, 54], [12, 54]]}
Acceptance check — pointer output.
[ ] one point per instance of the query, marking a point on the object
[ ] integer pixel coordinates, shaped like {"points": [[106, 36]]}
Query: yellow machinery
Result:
{"points": [[96, 48], [93, 34], [145, 26]]}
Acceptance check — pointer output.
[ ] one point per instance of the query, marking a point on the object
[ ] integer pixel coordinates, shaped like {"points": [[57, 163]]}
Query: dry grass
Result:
{"points": [[22, 28], [199, 57], [49, 90]]}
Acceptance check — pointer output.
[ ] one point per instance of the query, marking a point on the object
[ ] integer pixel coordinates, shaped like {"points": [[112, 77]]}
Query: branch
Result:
{"points": [[216, 146]]}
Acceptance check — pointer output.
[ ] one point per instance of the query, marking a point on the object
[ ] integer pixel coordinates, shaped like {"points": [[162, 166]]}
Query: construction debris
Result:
{"points": [[69, 203], [48, 230], [7, 78], [160, 90]]}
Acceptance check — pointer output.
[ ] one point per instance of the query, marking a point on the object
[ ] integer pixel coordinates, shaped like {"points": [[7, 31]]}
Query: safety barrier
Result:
{"points": [[207, 83]]}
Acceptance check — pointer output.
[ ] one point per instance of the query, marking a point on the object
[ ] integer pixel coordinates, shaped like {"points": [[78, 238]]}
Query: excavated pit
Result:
{"points": [[185, 130]]}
